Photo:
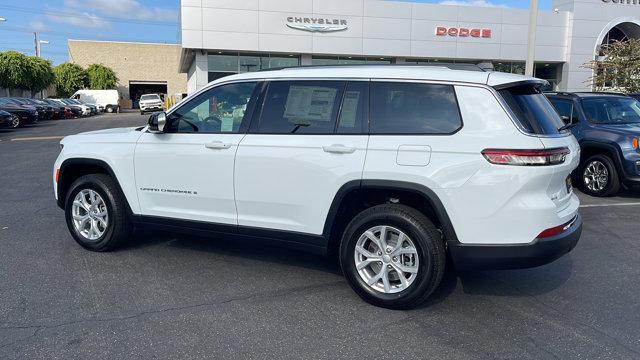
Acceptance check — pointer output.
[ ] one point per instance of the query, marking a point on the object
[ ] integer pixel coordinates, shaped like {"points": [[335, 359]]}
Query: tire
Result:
{"points": [[607, 183], [109, 109], [141, 112], [118, 225], [428, 248], [15, 122]]}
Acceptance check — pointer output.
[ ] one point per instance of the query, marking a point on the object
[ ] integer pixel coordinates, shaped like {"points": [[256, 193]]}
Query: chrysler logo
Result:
{"points": [[316, 24]]}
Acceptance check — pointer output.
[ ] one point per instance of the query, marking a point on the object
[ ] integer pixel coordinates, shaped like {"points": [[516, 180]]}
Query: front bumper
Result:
{"points": [[151, 107], [499, 257]]}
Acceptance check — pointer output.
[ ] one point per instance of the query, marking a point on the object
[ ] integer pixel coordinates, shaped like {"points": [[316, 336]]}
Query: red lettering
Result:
{"points": [[441, 31], [475, 32], [453, 32], [486, 33], [464, 32]]}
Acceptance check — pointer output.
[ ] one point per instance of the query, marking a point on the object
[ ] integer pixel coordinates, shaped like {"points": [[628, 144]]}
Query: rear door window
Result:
{"points": [[566, 109], [532, 110], [413, 108], [302, 107]]}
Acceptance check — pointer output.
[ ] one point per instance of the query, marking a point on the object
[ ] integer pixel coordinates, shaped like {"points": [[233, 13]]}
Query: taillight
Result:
{"points": [[526, 157], [556, 229]]}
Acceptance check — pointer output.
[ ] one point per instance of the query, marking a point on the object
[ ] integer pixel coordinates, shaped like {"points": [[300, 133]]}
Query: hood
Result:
{"points": [[111, 131], [620, 128]]}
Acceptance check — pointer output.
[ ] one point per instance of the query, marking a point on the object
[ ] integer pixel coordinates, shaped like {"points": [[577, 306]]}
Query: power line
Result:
{"points": [[52, 33], [83, 16]]}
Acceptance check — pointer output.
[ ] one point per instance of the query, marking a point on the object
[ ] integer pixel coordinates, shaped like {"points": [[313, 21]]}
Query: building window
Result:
{"points": [[514, 67], [226, 63], [348, 60]]}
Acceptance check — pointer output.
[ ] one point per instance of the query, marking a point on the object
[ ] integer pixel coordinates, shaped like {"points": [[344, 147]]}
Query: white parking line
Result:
{"points": [[38, 138], [605, 205]]}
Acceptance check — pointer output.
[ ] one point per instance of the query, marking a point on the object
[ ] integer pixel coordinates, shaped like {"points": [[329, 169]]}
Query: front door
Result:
{"points": [[186, 172]]}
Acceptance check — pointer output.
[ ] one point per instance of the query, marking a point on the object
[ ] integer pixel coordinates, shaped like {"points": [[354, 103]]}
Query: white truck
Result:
{"points": [[106, 99]]}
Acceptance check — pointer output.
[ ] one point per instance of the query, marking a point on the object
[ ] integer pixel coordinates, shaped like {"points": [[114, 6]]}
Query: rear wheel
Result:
{"points": [[392, 256], [599, 176], [109, 109], [15, 121], [96, 215]]}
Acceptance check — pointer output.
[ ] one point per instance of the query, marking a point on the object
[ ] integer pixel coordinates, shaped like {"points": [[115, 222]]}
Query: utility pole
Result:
{"points": [[531, 45], [37, 43]]}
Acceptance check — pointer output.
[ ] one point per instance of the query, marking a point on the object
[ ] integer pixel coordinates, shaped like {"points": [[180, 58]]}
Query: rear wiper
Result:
{"points": [[566, 127]]}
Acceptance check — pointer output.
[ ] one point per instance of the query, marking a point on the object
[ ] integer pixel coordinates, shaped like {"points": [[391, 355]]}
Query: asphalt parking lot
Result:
{"points": [[175, 296]]}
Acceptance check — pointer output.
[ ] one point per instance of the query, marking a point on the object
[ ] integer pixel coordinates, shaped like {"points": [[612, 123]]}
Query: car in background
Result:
{"points": [[84, 109], [5, 119], [607, 126], [150, 102], [71, 110], [21, 114], [60, 110], [44, 111], [105, 100], [51, 111], [95, 109]]}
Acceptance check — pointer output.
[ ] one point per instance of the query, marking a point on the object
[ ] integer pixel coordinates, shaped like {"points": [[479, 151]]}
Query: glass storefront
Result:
{"points": [[225, 63], [348, 60]]}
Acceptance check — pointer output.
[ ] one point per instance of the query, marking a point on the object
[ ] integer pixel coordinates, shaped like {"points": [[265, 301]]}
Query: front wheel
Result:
{"points": [[109, 109], [599, 176], [392, 256], [96, 214]]}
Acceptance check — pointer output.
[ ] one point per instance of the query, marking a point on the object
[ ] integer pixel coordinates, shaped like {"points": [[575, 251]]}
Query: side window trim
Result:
{"points": [[251, 105], [427, 82]]}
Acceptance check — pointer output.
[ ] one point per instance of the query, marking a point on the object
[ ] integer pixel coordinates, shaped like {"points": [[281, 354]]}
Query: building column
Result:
{"points": [[305, 59]]}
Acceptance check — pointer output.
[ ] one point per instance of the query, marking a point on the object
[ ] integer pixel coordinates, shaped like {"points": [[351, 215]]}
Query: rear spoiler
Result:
{"points": [[537, 83]]}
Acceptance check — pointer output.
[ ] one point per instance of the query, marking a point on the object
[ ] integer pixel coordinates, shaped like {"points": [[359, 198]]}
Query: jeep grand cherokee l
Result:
{"points": [[388, 168]]}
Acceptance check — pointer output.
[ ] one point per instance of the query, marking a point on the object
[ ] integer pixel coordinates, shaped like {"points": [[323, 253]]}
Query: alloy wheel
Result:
{"points": [[386, 259], [15, 121], [595, 176], [89, 214]]}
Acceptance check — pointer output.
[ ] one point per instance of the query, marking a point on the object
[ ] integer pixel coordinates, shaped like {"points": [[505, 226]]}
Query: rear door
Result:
{"points": [[307, 142]]}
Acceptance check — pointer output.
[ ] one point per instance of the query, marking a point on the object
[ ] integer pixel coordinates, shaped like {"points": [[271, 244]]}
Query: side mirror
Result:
{"points": [[157, 121], [565, 120]]}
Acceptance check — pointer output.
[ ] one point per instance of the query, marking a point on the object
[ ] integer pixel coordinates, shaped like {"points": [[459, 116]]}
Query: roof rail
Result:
{"points": [[451, 66]]}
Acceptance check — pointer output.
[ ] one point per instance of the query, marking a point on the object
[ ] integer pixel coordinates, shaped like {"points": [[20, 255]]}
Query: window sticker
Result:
{"points": [[349, 109], [310, 103]]}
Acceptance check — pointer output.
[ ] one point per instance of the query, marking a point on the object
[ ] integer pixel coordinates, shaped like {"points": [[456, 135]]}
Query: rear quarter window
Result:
{"points": [[532, 110], [413, 108]]}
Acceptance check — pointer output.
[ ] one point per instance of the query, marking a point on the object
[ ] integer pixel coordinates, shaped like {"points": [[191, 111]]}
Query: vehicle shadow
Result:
{"points": [[507, 283], [239, 247]]}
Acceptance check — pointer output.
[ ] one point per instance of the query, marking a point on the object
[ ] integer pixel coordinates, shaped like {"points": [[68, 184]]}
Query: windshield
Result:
{"points": [[532, 110], [612, 110], [150, 97], [74, 101]]}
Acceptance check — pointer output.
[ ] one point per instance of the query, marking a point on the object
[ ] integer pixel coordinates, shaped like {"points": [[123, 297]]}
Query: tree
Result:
{"points": [[101, 77], [69, 79], [41, 74], [14, 70], [618, 68]]}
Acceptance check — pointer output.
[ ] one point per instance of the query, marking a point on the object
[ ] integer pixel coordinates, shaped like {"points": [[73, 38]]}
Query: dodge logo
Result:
{"points": [[463, 32]]}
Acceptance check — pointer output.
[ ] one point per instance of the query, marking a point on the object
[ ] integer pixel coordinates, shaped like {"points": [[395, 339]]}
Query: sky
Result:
{"points": [[120, 20]]}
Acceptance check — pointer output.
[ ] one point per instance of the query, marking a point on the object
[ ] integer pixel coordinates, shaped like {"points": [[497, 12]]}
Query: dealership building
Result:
{"points": [[222, 37]]}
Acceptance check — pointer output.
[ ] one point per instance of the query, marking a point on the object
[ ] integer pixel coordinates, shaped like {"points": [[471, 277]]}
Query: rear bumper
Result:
{"points": [[496, 257]]}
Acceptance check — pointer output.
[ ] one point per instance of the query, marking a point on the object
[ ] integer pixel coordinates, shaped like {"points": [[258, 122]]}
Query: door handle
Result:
{"points": [[338, 149], [217, 145]]}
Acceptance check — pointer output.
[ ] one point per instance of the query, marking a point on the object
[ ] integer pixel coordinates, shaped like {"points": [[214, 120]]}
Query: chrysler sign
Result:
{"points": [[463, 32], [312, 24]]}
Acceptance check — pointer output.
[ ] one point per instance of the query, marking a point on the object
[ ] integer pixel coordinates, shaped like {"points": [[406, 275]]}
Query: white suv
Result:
{"points": [[389, 168], [150, 102]]}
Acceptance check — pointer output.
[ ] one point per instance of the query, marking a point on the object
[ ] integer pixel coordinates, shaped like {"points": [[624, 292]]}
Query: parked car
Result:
{"points": [[61, 111], [607, 126], [150, 102], [21, 114], [94, 108], [5, 119], [84, 109], [106, 100], [389, 168], [71, 110], [44, 112], [635, 96]]}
